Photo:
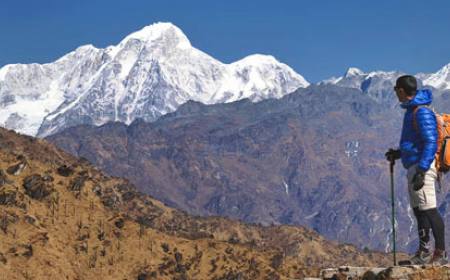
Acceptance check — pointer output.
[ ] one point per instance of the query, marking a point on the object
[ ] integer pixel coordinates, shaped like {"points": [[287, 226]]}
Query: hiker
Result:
{"points": [[418, 146]]}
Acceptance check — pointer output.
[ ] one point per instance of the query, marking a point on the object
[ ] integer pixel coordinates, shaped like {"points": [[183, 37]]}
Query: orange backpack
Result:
{"points": [[443, 143]]}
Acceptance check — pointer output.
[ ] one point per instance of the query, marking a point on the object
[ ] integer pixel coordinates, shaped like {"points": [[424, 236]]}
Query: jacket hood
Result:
{"points": [[423, 97]]}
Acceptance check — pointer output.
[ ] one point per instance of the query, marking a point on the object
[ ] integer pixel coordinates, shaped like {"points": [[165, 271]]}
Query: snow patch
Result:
{"points": [[411, 227], [312, 215], [389, 238], [33, 118], [4, 71], [332, 80], [286, 187]]}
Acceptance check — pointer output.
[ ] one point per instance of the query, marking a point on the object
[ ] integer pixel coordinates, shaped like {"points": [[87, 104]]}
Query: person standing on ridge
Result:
{"points": [[418, 146]]}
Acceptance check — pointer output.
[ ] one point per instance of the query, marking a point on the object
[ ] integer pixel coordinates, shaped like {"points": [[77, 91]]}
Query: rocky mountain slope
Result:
{"points": [[149, 73], [314, 157], [60, 217]]}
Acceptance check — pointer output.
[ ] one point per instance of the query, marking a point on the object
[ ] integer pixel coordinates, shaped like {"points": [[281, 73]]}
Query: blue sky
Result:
{"points": [[319, 38]]}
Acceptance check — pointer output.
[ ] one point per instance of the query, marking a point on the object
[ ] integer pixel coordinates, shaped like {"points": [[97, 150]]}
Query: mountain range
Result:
{"points": [[260, 154], [314, 157], [149, 73]]}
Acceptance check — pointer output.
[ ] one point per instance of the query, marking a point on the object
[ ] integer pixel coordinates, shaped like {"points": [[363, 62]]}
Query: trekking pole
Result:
{"points": [[392, 163]]}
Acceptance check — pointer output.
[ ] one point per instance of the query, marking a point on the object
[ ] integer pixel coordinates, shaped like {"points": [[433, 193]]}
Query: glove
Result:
{"points": [[418, 180], [392, 155]]}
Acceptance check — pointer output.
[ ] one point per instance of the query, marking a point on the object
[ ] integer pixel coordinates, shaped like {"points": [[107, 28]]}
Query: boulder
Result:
{"points": [[3, 178], [37, 187], [77, 184], [8, 196], [3, 259], [17, 168], [390, 273], [65, 171]]}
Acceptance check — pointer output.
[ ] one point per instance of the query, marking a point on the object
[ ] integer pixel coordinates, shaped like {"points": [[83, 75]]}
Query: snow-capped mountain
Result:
{"points": [[379, 84], [440, 79], [149, 73], [352, 78]]}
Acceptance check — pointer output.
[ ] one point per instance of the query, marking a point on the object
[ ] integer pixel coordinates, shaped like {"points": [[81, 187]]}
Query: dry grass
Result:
{"points": [[91, 226]]}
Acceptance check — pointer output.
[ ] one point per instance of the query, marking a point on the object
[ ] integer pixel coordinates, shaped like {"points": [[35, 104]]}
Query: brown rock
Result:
{"points": [[119, 223], [65, 171], [2, 258], [3, 178], [17, 168], [77, 184], [8, 196], [36, 187]]}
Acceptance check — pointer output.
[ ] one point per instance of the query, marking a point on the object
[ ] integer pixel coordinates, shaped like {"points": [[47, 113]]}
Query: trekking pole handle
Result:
{"points": [[391, 165]]}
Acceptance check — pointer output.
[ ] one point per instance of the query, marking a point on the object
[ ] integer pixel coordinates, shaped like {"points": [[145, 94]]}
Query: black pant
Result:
{"points": [[426, 220]]}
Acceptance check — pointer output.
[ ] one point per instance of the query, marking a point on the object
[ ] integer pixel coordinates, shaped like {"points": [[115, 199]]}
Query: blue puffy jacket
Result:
{"points": [[419, 144]]}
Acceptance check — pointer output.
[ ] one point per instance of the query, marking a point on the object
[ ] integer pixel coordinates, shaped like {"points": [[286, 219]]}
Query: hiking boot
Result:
{"points": [[420, 257], [439, 258]]}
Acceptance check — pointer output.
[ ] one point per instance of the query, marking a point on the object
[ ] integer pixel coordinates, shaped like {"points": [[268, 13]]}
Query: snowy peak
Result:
{"points": [[352, 71], [256, 59], [162, 34], [267, 62], [356, 78], [85, 49], [268, 70], [440, 79], [377, 84], [157, 30], [257, 77]]}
